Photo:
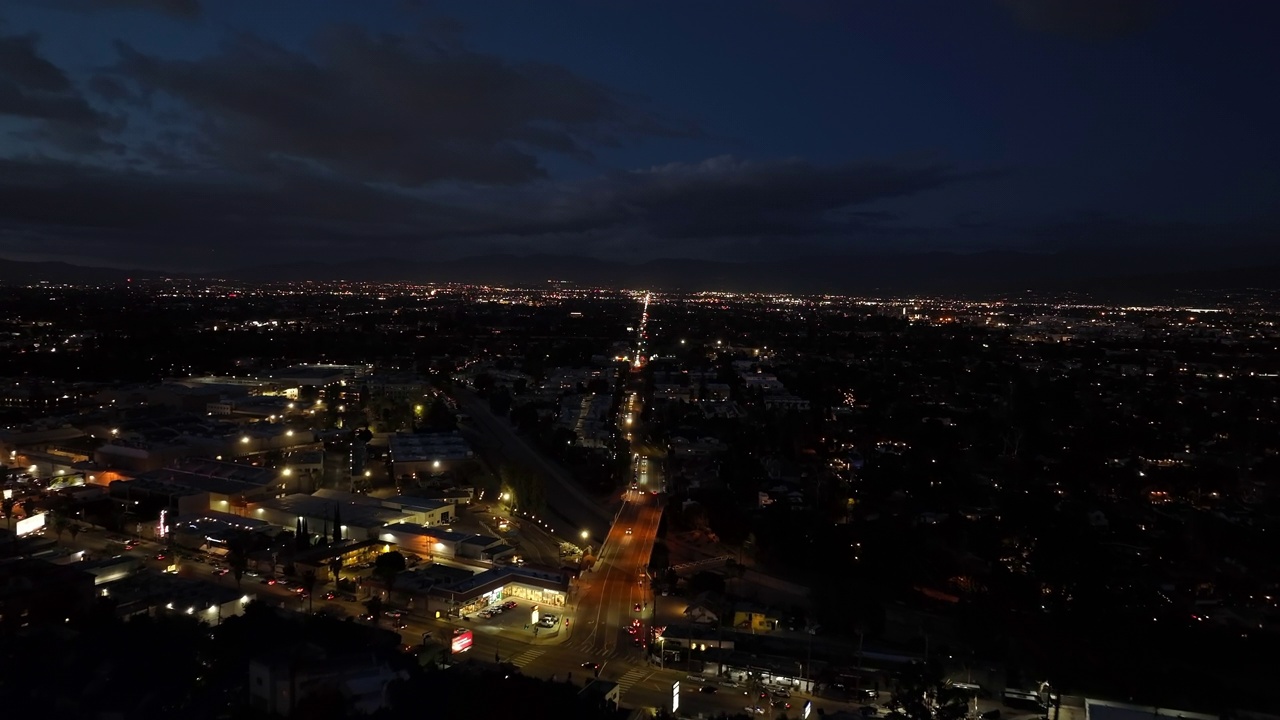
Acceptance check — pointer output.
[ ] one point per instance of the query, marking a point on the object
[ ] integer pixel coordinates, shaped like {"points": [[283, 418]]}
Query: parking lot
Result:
{"points": [[513, 614]]}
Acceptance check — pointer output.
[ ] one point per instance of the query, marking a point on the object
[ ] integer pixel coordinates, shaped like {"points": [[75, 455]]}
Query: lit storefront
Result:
{"points": [[543, 588]]}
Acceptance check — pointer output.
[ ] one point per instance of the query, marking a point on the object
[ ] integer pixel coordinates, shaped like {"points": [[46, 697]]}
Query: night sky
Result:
{"points": [[199, 135]]}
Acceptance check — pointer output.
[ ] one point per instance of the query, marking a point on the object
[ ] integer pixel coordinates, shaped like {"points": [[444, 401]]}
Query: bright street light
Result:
{"points": [[585, 534]]}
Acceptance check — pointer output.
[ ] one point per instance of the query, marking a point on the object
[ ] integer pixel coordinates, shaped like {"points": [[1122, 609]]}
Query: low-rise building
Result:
{"points": [[428, 454], [152, 593]]}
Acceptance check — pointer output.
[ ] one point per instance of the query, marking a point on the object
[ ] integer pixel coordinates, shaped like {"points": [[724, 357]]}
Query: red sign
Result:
{"points": [[461, 642]]}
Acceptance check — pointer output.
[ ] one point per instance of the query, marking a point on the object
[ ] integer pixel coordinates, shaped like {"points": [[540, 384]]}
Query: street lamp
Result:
{"points": [[585, 534]]}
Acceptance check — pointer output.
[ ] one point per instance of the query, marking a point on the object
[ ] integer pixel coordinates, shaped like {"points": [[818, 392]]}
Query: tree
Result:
{"points": [[74, 529], [6, 506], [439, 418], [28, 507], [374, 606], [238, 561], [335, 569], [308, 584], [923, 693], [60, 524], [387, 566], [706, 582]]}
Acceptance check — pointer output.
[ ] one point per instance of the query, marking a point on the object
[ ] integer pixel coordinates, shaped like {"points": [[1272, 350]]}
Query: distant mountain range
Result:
{"points": [[1136, 276]]}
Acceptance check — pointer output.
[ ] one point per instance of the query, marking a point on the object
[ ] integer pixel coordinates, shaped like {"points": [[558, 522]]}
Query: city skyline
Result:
{"points": [[205, 137]]}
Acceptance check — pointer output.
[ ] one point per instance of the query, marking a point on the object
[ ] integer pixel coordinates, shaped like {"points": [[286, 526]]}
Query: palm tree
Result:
{"points": [[74, 529]]}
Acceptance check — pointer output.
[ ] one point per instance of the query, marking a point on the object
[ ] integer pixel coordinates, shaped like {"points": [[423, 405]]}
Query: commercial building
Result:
{"points": [[355, 520], [193, 485], [545, 588], [212, 530], [427, 453], [34, 591], [435, 541], [312, 375], [156, 594], [347, 552]]}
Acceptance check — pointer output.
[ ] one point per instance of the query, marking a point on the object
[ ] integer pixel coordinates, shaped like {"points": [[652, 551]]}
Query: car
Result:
{"points": [[869, 711], [709, 689], [593, 666], [486, 614], [331, 595], [161, 556], [347, 597], [779, 703], [638, 607], [510, 605], [782, 693], [267, 581], [221, 571], [628, 531], [637, 641]]}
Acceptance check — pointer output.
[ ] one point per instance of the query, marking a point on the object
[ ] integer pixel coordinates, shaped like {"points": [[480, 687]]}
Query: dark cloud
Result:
{"points": [[1085, 19], [729, 197], [22, 66], [184, 9], [390, 108], [696, 209], [35, 90]]}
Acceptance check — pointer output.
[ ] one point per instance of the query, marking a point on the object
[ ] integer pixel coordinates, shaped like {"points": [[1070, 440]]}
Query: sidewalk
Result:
{"points": [[556, 636]]}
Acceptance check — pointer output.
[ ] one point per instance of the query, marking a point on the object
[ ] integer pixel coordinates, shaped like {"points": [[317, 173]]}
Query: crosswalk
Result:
{"points": [[631, 677], [590, 647], [526, 657]]}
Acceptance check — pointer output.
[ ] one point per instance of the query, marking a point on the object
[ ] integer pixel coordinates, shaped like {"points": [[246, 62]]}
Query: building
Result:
{"points": [[34, 591], [212, 530], [427, 453], [436, 541], [312, 375], [279, 682], [602, 695], [754, 617], [429, 511], [193, 485], [155, 594], [1108, 710], [355, 520], [547, 589], [348, 553]]}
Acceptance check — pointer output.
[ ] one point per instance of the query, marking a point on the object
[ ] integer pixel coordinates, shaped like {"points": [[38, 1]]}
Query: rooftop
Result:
{"points": [[353, 515], [417, 447]]}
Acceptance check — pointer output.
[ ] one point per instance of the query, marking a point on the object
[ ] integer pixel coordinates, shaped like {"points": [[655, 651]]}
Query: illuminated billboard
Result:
{"points": [[461, 642], [28, 525]]}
